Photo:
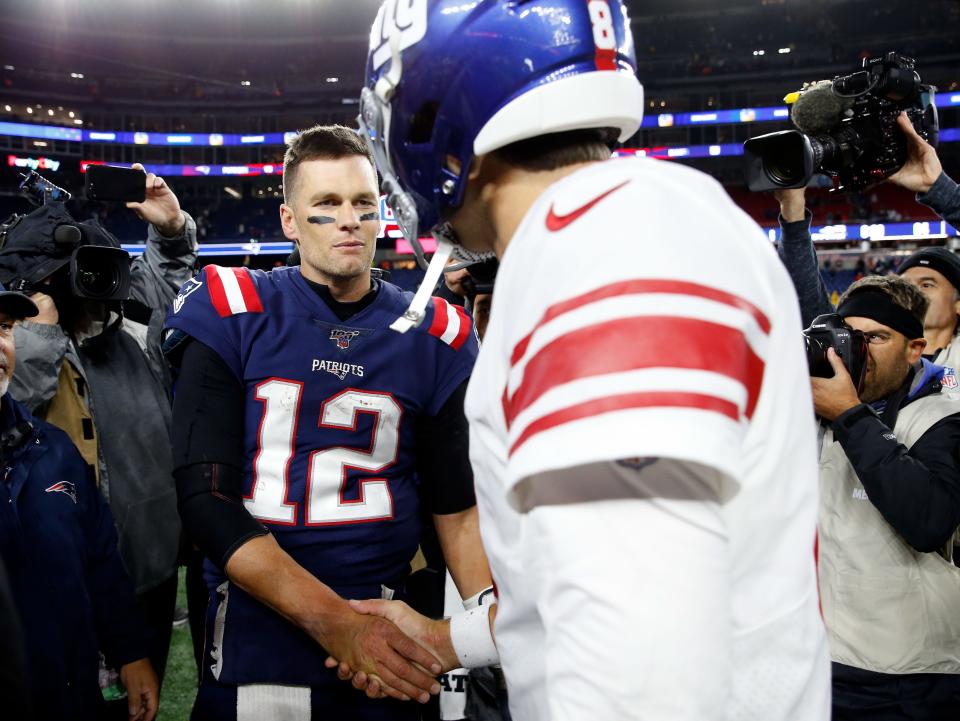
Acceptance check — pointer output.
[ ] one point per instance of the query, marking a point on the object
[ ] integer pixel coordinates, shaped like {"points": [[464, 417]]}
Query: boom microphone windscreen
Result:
{"points": [[818, 110]]}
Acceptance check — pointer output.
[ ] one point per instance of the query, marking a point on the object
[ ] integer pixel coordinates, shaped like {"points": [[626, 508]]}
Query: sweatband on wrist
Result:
{"points": [[877, 305], [486, 597], [471, 638]]}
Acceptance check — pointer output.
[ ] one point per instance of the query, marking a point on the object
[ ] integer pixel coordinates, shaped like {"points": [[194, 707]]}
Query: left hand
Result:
{"points": [[834, 396], [160, 207], [143, 690]]}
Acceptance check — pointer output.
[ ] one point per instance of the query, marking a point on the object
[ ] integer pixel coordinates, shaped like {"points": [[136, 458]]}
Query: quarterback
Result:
{"points": [[641, 429]]}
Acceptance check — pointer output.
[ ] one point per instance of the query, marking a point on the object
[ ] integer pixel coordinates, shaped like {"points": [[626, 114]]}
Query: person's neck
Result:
{"points": [[514, 190], [342, 290], [938, 338]]}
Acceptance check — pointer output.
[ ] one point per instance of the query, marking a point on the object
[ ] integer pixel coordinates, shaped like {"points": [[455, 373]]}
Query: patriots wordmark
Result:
{"points": [[340, 370]]}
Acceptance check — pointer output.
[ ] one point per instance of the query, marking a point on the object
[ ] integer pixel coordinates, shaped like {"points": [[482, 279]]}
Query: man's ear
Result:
{"points": [[288, 221], [915, 349]]}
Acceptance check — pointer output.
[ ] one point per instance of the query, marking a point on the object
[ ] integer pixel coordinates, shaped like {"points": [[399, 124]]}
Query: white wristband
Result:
{"points": [[485, 597], [472, 640]]}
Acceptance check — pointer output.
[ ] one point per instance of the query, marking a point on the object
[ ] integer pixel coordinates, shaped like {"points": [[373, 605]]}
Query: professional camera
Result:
{"points": [[48, 251], [830, 331], [846, 128]]}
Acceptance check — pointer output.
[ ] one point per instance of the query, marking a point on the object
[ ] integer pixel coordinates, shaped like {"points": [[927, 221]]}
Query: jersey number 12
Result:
{"points": [[327, 467]]}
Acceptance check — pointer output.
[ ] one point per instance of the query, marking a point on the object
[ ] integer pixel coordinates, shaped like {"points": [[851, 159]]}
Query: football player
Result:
{"points": [[303, 443], [640, 426]]}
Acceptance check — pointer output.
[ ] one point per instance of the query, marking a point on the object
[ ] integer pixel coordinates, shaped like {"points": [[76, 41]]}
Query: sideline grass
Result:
{"points": [[180, 682]]}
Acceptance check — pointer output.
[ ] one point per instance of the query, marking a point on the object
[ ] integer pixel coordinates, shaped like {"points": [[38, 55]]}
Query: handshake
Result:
{"points": [[388, 649]]}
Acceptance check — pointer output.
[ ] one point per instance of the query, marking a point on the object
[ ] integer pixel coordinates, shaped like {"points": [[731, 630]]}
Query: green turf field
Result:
{"points": [[180, 683]]}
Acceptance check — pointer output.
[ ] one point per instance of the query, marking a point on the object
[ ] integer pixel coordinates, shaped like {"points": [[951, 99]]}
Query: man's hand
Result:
{"points": [[922, 167], [434, 635], [160, 207], [377, 648], [792, 203], [833, 397], [455, 281], [143, 690], [48, 309]]}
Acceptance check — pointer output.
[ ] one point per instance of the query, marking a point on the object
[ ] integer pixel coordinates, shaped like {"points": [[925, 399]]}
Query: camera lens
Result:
{"points": [[97, 282], [785, 171]]}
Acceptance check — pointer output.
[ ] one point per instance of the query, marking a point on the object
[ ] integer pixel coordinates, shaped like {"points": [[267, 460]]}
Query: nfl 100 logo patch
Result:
{"points": [[949, 379], [342, 337]]}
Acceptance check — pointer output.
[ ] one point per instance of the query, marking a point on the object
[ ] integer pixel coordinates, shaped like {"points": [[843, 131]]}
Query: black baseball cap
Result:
{"points": [[17, 305], [940, 259]]}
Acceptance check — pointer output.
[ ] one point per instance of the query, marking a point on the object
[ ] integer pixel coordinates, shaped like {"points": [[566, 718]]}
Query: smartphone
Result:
{"points": [[108, 182]]}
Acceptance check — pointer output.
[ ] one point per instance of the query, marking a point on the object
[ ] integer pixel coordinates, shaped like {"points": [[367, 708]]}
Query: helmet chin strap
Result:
{"points": [[416, 312]]}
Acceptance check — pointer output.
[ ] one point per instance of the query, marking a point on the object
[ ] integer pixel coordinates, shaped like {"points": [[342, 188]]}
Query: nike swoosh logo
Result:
{"points": [[559, 222]]}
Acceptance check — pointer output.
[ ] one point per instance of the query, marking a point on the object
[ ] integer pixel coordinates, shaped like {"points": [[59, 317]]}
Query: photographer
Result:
{"points": [[890, 501], [95, 369], [935, 271]]}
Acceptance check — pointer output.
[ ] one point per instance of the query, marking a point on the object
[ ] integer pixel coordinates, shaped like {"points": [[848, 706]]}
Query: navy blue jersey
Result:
{"points": [[328, 462]]}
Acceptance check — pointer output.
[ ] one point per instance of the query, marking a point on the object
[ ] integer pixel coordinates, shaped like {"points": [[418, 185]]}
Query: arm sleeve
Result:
{"points": [[165, 265], [455, 348], [627, 644], [800, 259], [41, 349], [944, 199], [207, 451], [443, 457], [119, 622], [208, 410], [916, 491]]}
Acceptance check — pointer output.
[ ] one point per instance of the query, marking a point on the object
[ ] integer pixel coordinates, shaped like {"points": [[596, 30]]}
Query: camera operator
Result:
{"points": [[95, 369], [890, 501], [935, 271]]}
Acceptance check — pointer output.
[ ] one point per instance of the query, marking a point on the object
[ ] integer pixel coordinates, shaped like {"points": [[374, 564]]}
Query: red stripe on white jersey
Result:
{"points": [[628, 401], [232, 291], [634, 343], [642, 285], [450, 323]]}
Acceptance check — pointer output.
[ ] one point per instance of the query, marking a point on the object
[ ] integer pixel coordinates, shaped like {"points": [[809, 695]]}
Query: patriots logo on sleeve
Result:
{"points": [[189, 287], [65, 487]]}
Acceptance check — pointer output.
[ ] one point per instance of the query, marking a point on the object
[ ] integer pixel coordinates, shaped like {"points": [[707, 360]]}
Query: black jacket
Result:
{"points": [[916, 491], [59, 545]]}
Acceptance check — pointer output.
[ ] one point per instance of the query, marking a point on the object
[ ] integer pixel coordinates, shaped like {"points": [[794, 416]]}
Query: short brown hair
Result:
{"points": [[321, 142], [904, 294], [556, 150]]}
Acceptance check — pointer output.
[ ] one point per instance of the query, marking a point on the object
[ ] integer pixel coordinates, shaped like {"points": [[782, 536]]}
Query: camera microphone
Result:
{"points": [[818, 110]]}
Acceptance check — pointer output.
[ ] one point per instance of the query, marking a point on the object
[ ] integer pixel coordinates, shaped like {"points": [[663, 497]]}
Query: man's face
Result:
{"points": [[8, 351], [889, 357], [942, 312], [334, 216]]}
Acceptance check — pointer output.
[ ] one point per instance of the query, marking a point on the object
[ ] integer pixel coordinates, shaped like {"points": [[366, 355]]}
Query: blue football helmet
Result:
{"points": [[466, 77]]}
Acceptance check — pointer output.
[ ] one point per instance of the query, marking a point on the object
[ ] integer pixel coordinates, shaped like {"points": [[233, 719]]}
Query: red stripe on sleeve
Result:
{"points": [[218, 296], [627, 344], [643, 285], [251, 299], [464, 331], [440, 321], [608, 404]]}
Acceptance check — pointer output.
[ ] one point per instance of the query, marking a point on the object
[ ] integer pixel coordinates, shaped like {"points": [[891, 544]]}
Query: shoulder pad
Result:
{"points": [[232, 291], [450, 323]]}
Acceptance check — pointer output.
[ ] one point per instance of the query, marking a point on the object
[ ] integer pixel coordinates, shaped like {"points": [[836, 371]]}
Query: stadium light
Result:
{"points": [[245, 82], [7, 108], [783, 51], [333, 80]]}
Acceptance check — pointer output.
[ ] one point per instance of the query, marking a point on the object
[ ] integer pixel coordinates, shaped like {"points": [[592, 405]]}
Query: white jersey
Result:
{"points": [[645, 345]]}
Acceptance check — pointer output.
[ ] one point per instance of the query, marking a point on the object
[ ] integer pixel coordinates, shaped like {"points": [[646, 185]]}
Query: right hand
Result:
{"points": [[48, 309], [792, 203], [376, 647], [923, 166], [430, 633]]}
